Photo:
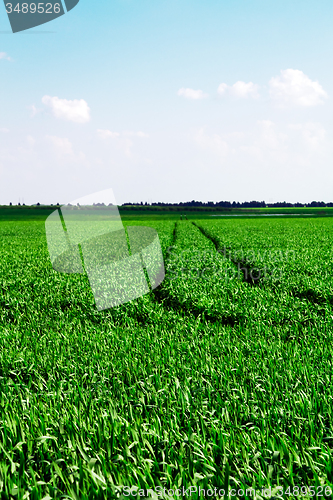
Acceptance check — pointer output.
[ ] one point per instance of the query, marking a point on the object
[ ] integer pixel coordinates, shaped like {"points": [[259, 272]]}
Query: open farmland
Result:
{"points": [[219, 378]]}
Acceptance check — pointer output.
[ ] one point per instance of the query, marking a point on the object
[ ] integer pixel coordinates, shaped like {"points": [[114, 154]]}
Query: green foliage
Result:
{"points": [[207, 380]]}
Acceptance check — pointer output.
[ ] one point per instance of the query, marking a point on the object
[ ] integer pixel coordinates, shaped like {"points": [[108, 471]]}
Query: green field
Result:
{"points": [[143, 213], [219, 378]]}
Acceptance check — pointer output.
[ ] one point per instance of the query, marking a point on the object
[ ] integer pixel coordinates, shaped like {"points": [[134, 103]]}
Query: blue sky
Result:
{"points": [[169, 101]]}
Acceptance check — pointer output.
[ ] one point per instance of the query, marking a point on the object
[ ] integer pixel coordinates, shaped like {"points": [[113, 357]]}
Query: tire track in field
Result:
{"points": [[315, 298], [242, 264], [170, 302], [309, 295]]}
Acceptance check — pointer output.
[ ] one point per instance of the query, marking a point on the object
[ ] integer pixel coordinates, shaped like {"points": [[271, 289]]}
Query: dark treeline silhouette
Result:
{"points": [[198, 205], [234, 204]]}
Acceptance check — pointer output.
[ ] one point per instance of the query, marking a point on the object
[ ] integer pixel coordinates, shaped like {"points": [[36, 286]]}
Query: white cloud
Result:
{"points": [[27, 147], [268, 144], [76, 111], [192, 94], [295, 88], [222, 88], [240, 89], [270, 138], [31, 141], [313, 134], [4, 130], [33, 110], [62, 145], [140, 134], [215, 143], [3, 55], [107, 134], [122, 141], [64, 149]]}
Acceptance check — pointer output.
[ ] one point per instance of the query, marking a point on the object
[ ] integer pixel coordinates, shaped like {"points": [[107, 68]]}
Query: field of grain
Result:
{"points": [[219, 378]]}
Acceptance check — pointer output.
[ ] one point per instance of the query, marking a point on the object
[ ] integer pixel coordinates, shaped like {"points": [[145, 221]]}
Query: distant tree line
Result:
{"points": [[200, 205], [229, 204]]}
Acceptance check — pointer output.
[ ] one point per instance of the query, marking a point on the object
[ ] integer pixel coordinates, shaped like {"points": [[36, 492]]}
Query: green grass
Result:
{"points": [[209, 380]]}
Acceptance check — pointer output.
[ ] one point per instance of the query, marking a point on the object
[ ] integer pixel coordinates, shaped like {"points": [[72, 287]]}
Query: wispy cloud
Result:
{"points": [[314, 134], [121, 140], [240, 89], [4, 55], [76, 111], [192, 94], [293, 87], [33, 110], [62, 145], [140, 134], [215, 143], [108, 134], [64, 148], [269, 143]]}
